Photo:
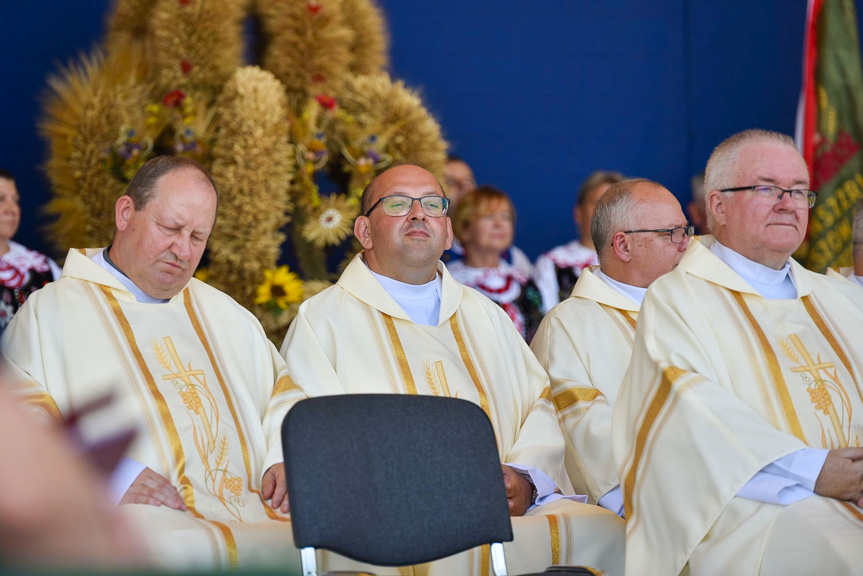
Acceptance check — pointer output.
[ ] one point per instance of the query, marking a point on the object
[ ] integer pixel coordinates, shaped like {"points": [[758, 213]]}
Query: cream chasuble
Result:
{"points": [[585, 343], [723, 382], [354, 338], [206, 387]]}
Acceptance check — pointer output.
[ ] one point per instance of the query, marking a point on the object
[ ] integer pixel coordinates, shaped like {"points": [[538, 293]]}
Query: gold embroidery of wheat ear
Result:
{"points": [[222, 455], [788, 351], [430, 378], [161, 355]]}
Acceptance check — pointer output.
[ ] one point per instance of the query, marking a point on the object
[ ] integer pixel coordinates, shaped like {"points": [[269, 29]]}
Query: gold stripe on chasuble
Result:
{"points": [[854, 510], [669, 375], [162, 406], [567, 398], [468, 363], [179, 457], [401, 358], [32, 394], [199, 331], [554, 533], [831, 339], [775, 371]]}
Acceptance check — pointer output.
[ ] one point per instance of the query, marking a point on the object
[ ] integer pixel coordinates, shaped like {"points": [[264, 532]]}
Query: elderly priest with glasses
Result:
{"points": [[737, 429], [397, 322]]}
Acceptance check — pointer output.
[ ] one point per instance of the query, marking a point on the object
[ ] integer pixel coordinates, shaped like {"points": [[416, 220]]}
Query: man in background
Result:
{"points": [[558, 269]]}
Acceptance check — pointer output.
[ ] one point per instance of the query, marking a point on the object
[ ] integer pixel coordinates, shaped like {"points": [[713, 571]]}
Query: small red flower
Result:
{"points": [[313, 8], [326, 101], [318, 78], [184, 2], [174, 99], [186, 66]]}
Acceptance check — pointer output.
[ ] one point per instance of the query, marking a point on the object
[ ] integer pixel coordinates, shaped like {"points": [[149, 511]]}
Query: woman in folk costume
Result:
{"points": [[22, 271], [484, 224]]}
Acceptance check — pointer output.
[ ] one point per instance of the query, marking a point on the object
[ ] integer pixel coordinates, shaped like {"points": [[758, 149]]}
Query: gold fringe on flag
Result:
{"points": [[253, 165]]}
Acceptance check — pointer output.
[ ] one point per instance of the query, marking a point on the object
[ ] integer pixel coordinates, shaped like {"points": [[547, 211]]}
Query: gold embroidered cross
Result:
{"points": [[814, 369], [184, 375]]}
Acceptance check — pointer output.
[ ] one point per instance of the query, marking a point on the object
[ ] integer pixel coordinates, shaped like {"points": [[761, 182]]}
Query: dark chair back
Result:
{"points": [[393, 480]]}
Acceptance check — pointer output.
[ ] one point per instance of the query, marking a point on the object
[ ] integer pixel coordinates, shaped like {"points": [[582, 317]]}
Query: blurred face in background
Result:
{"points": [[458, 180], [10, 213], [584, 212], [492, 230]]}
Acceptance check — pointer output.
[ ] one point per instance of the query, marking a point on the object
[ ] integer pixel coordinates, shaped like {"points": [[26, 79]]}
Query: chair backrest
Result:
{"points": [[393, 480]]}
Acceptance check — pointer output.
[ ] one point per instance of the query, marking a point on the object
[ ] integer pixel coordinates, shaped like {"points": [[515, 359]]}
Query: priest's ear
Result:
{"points": [[124, 209], [717, 207], [363, 232], [621, 246]]}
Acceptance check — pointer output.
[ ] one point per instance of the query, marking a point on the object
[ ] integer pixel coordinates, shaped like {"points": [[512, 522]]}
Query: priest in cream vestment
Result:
{"points": [[185, 362], [738, 425], [585, 342], [397, 322]]}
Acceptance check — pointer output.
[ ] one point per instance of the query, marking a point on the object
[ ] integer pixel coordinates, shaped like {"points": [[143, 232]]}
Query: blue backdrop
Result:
{"points": [[535, 94]]}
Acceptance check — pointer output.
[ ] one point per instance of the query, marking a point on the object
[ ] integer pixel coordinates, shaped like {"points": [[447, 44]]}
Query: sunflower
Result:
{"points": [[331, 222], [280, 288]]}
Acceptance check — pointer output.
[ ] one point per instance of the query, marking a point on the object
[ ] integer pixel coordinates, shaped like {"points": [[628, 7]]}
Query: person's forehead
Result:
{"points": [[771, 162], [414, 183]]}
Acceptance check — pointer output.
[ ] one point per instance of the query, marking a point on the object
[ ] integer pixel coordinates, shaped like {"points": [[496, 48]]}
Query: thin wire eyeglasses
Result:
{"points": [[798, 195], [398, 205], [677, 234]]}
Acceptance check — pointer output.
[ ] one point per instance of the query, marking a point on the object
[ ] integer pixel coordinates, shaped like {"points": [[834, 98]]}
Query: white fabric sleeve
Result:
{"points": [[788, 479], [546, 490], [613, 500], [126, 472]]}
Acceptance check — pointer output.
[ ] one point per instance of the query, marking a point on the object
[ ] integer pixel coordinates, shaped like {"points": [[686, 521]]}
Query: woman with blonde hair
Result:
{"points": [[484, 223]]}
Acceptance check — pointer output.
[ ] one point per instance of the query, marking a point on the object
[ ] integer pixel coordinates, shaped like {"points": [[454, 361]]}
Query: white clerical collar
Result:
{"points": [[421, 302], [140, 296], [770, 283], [856, 278], [634, 293]]}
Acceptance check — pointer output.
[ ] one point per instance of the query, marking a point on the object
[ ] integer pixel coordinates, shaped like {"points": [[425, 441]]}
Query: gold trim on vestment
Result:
{"points": [[669, 375], [554, 533], [284, 384], [831, 339], [775, 371], [567, 398], [44, 401], [241, 438], [468, 363], [167, 420], [402, 359], [855, 511]]}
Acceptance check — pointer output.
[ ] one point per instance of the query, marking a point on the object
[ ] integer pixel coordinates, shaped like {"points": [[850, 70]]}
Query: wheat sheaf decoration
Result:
{"points": [[179, 77]]}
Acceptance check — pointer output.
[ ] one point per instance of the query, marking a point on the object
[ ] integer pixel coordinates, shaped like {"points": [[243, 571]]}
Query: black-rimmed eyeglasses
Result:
{"points": [[676, 234], [798, 195], [398, 205]]}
